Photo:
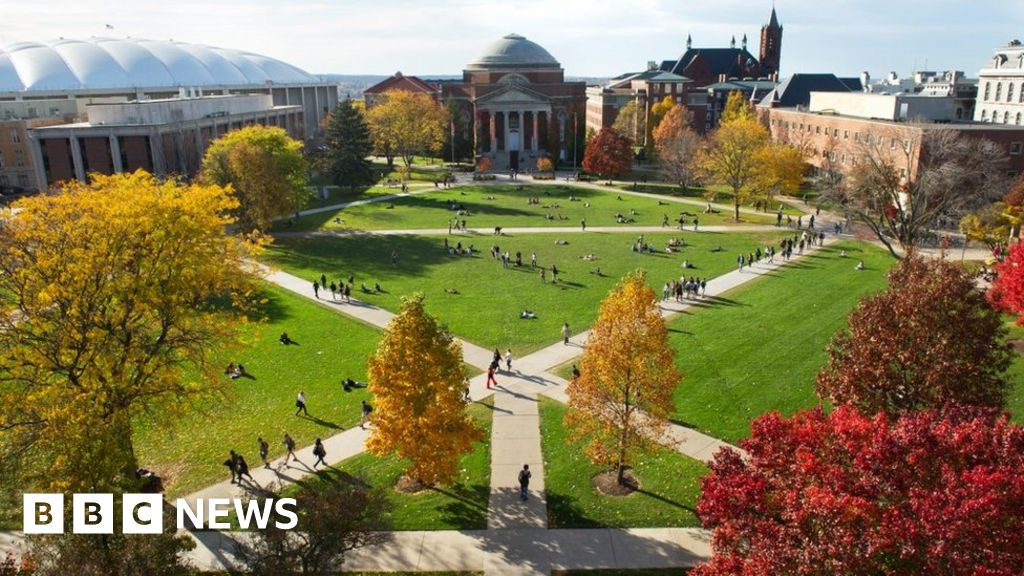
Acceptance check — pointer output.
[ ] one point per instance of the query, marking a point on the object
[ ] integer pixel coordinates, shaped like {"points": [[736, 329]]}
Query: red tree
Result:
{"points": [[928, 339], [936, 492], [608, 154], [1007, 292]]}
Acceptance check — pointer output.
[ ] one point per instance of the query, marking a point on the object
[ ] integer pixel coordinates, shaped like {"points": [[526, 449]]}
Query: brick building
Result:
{"points": [[516, 106], [374, 94], [646, 89]]}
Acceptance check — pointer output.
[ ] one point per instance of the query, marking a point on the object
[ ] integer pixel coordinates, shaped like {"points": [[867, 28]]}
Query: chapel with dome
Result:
{"points": [[516, 104]]}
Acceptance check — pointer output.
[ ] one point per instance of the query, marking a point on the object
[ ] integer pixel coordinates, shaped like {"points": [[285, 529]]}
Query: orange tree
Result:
{"points": [[113, 296], [677, 145], [623, 398], [417, 380], [608, 154], [928, 339]]}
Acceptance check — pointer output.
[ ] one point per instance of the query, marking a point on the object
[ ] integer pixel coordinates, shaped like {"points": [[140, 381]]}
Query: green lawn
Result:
{"points": [[723, 195], [504, 205], [491, 298], [340, 195], [189, 452], [462, 506], [1015, 375], [760, 347], [669, 484]]}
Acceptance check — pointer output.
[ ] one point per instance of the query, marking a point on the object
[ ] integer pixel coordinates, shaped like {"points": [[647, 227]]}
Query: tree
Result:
{"points": [[1007, 292], [266, 170], [899, 191], [544, 164], [631, 121], [737, 108], [623, 398], [408, 123], [609, 154], [420, 411], [926, 340], [113, 295], [658, 112], [935, 492], [780, 170], [335, 516], [677, 146], [988, 225], [484, 164], [732, 156], [349, 146]]}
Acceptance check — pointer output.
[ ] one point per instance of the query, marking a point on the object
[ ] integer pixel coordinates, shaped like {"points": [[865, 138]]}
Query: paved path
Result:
{"points": [[516, 231]]}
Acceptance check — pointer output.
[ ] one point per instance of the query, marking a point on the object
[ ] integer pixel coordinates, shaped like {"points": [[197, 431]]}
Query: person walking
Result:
{"points": [[490, 375], [367, 409], [566, 333], [320, 452], [524, 481], [449, 226], [739, 262], [323, 280], [232, 464], [300, 404], [583, 225], [543, 280], [264, 451], [243, 469], [497, 357], [289, 446], [533, 260], [348, 293], [508, 360], [554, 274], [316, 289]]}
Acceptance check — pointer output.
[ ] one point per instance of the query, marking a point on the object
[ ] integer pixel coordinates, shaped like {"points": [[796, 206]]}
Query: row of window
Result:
{"points": [[834, 133], [999, 92], [19, 159], [995, 117], [22, 181]]}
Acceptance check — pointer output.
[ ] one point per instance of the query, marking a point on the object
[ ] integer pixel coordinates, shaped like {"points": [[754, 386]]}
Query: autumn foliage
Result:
{"points": [[609, 154], [417, 380], [623, 398], [928, 339], [544, 164], [935, 492], [1007, 293]]}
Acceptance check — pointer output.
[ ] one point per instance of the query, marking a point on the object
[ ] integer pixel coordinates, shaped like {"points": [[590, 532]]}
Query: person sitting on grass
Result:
{"points": [[527, 315], [860, 265], [452, 291], [716, 249], [377, 288], [362, 286], [284, 339], [597, 272]]}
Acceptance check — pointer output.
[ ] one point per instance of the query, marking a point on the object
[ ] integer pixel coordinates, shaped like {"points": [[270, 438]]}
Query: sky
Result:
{"points": [[592, 38]]}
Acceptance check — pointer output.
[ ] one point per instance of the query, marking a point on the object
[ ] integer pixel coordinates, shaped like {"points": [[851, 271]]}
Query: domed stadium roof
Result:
{"points": [[110, 64], [514, 51]]}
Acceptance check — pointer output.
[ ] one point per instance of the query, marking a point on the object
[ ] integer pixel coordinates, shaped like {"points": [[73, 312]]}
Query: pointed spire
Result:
{"points": [[689, 42], [732, 43], [744, 41], [773, 22]]}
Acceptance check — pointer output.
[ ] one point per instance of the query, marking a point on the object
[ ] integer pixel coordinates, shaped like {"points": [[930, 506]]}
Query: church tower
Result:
{"points": [[771, 46]]}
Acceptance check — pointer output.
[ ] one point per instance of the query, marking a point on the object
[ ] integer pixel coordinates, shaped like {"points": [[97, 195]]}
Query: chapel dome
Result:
{"points": [[513, 50]]}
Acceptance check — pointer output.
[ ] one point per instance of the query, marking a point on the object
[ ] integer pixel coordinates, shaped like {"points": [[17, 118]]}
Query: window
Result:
{"points": [[846, 135], [867, 138], [906, 146], [892, 145], [903, 172], [22, 180], [1, 159], [826, 130], [1006, 117], [1018, 118], [999, 91], [15, 138], [984, 115], [19, 158], [843, 159], [1009, 92], [856, 136], [988, 89], [1020, 99], [1015, 148], [817, 129]]}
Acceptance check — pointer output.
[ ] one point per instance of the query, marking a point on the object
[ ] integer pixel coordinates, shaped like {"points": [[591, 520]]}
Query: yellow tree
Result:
{"points": [[113, 297], [417, 380], [265, 168], [737, 108], [732, 157], [406, 124], [631, 121], [779, 170], [623, 398]]}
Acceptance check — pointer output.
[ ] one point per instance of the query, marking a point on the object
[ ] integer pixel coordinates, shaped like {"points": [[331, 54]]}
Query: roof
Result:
{"points": [[108, 63], [773, 22], [395, 82], [513, 50], [853, 83], [654, 76], [743, 85], [719, 61], [796, 90]]}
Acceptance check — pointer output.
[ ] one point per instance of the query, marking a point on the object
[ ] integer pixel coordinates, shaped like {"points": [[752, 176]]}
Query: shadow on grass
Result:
{"points": [[358, 256], [469, 507]]}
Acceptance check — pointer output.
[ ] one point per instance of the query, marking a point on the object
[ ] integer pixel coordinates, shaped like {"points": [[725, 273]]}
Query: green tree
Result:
{"points": [[348, 147], [631, 121], [266, 170]]}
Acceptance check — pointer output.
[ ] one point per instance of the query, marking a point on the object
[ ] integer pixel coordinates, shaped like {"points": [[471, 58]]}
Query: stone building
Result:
{"points": [[516, 106], [1001, 87]]}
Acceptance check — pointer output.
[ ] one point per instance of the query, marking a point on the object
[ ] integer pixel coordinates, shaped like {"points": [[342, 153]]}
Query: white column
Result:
{"points": [[156, 148], [115, 155], [76, 157]]}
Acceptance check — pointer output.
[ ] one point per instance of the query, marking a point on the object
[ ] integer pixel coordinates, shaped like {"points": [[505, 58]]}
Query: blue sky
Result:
{"points": [[589, 37]]}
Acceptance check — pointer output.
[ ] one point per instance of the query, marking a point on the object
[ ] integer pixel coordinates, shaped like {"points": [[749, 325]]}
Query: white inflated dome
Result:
{"points": [[108, 63]]}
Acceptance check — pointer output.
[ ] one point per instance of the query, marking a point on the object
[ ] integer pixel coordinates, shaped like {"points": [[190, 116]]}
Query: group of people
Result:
{"points": [[457, 224], [684, 288], [235, 371], [239, 468], [338, 289]]}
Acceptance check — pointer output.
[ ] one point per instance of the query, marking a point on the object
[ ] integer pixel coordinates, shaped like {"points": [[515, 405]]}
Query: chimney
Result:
{"points": [[865, 80], [652, 65]]}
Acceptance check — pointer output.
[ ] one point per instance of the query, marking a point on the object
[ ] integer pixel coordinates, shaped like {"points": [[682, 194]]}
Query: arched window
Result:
{"points": [[1009, 92], [1018, 118], [988, 88], [999, 91], [1021, 97], [984, 115], [1006, 117]]}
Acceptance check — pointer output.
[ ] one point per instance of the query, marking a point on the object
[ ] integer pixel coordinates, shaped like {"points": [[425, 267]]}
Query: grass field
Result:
{"points": [[1015, 376], [760, 349], [504, 205], [491, 298], [461, 506], [189, 452], [669, 484], [722, 195]]}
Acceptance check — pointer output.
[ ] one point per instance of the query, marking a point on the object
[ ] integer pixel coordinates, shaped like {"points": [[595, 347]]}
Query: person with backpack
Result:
{"points": [[319, 452], [367, 409], [243, 469], [289, 446], [300, 404], [232, 464], [524, 481], [264, 450]]}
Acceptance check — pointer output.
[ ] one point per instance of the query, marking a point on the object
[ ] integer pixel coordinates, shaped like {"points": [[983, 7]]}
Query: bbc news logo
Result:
{"points": [[143, 513]]}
